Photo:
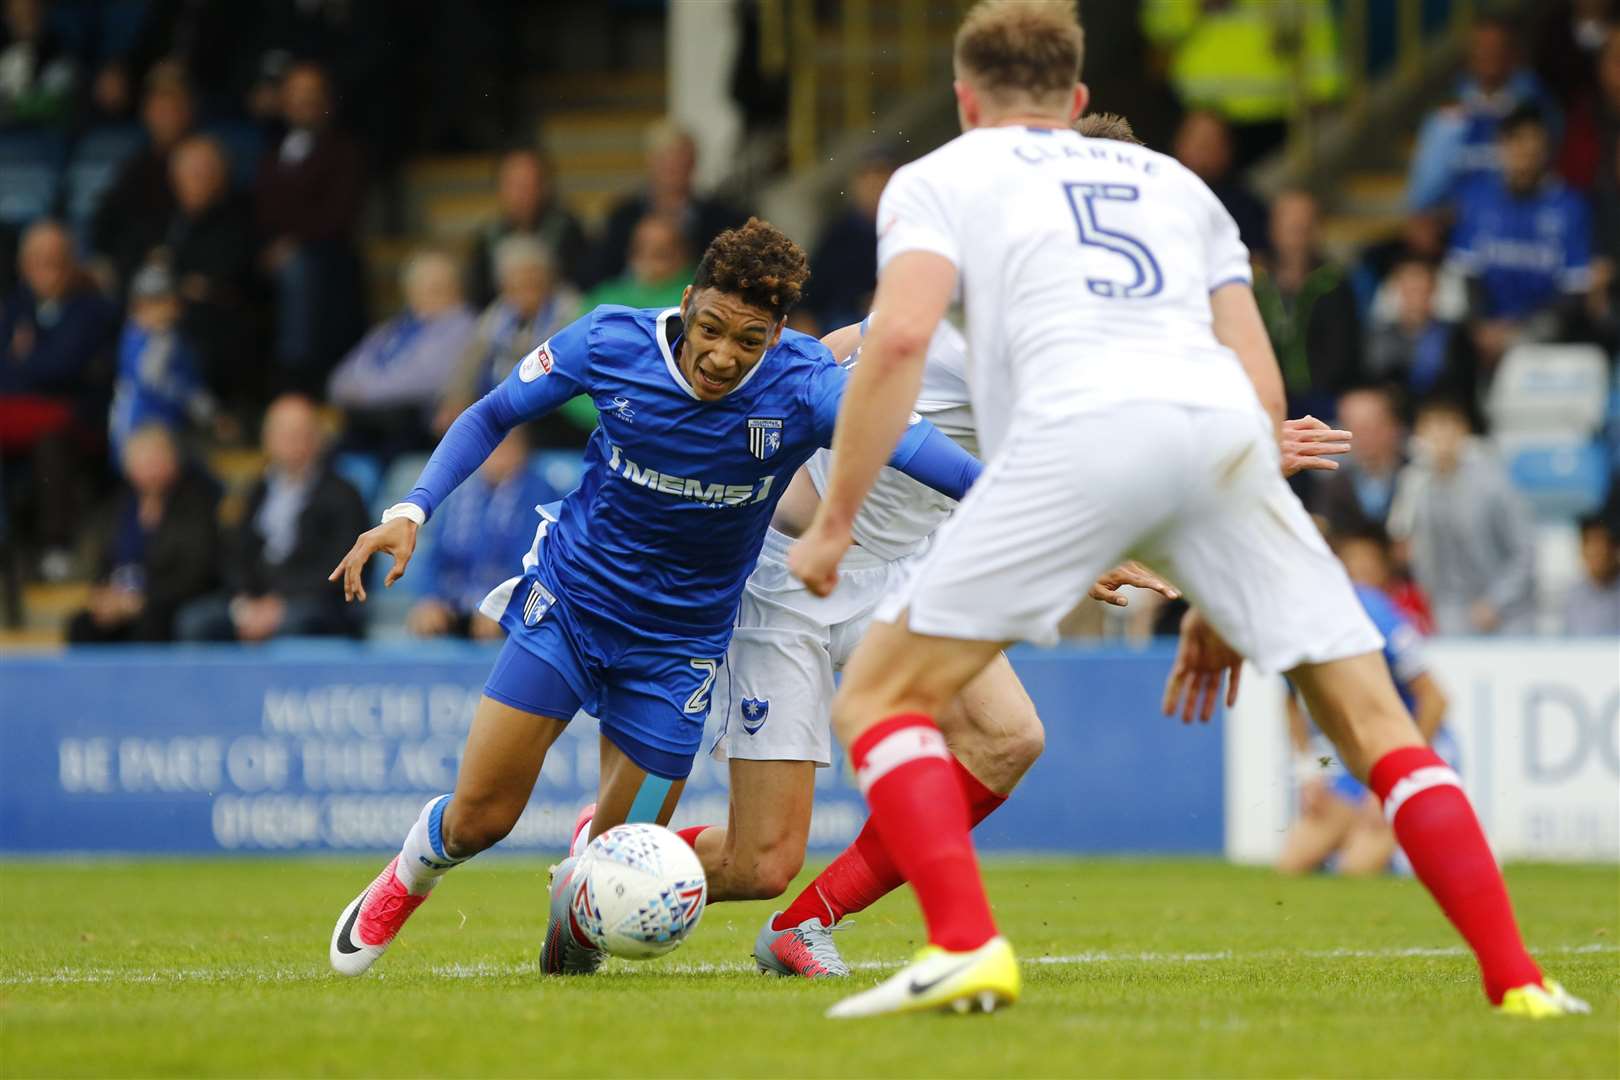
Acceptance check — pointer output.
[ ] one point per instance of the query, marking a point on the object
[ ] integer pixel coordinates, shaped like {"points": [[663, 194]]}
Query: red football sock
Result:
{"points": [[921, 816], [863, 873], [1437, 829], [691, 834]]}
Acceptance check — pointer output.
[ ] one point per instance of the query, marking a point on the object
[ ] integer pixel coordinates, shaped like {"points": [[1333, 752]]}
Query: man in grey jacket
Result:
{"points": [[1471, 539]]}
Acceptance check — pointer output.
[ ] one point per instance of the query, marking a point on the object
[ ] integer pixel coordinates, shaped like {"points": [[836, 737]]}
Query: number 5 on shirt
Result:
{"points": [[1083, 200]]}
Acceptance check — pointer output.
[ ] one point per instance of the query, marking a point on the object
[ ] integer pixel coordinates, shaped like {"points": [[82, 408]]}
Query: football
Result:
{"points": [[639, 891]]}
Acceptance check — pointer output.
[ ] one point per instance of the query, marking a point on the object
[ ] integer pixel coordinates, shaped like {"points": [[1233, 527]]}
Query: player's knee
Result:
{"points": [[472, 826], [771, 869], [1025, 745]]}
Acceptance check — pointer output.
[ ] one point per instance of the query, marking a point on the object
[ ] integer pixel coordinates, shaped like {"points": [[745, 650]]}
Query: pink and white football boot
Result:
{"points": [[582, 829], [371, 921]]}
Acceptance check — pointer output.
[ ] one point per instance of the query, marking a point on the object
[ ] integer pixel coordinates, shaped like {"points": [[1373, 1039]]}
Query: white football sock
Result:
{"points": [[422, 861]]}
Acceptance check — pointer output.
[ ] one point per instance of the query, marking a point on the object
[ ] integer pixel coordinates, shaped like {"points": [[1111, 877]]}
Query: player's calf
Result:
{"points": [[370, 922], [1355, 704]]}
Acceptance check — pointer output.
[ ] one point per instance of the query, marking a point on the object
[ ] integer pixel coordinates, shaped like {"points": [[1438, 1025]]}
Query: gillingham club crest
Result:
{"points": [[764, 436]]}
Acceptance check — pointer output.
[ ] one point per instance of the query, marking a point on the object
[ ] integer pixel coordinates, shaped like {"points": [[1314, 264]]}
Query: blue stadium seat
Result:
{"points": [[99, 29], [1547, 391], [559, 468], [1561, 480], [397, 481], [364, 471], [31, 162], [94, 165]]}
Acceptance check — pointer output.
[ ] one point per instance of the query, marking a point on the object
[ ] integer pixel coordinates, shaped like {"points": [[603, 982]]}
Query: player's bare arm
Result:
{"points": [[1307, 443], [912, 293], [1238, 326]]}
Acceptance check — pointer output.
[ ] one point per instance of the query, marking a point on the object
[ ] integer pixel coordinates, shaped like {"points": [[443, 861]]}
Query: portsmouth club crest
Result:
{"points": [[764, 436], [754, 712]]}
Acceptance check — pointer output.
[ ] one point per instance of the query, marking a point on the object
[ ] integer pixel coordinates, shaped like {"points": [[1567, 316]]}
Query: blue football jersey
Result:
{"points": [[1527, 251], [677, 492]]}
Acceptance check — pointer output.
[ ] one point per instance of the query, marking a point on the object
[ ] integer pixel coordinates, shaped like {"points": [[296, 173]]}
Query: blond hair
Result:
{"points": [[1107, 126], [1012, 50]]}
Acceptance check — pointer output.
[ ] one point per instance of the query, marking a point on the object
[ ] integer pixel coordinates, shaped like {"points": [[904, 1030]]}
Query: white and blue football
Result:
{"points": [[639, 891]]}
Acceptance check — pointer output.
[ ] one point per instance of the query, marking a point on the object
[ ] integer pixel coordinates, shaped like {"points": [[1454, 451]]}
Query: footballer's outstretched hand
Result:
{"points": [[1203, 660], [1308, 443], [396, 538], [814, 557], [1131, 572]]}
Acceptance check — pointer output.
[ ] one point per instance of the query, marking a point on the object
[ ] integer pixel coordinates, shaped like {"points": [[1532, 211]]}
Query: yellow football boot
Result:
{"points": [[1541, 1002], [979, 981]]}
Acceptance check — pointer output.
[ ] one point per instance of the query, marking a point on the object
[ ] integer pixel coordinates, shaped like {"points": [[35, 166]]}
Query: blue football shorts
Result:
{"points": [[650, 694]]}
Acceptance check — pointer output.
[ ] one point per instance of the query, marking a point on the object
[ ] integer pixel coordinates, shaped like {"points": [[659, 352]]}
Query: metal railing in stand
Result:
{"points": [[1413, 41]]}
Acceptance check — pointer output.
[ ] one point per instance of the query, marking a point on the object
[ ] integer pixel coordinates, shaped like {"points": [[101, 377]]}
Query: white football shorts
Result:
{"points": [[776, 689], [1195, 493]]}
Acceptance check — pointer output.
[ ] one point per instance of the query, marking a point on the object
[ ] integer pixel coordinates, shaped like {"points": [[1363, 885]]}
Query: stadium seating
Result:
{"points": [[31, 162], [1549, 390], [1562, 479], [93, 166], [386, 608], [364, 471]]}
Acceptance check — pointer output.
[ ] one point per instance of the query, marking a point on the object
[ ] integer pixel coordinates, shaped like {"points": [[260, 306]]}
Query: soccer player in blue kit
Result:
{"points": [[630, 591]]}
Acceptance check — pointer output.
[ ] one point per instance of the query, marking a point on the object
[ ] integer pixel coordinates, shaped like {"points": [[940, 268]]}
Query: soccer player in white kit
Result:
{"points": [[778, 688], [1121, 381]]}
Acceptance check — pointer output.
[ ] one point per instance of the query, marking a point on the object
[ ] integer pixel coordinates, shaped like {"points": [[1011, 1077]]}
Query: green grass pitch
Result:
{"points": [[1132, 968]]}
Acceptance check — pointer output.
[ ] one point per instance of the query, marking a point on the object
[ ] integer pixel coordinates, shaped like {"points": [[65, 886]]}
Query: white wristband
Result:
{"points": [[405, 510]]}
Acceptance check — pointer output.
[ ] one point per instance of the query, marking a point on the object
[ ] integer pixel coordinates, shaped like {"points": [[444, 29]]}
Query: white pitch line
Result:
{"points": [[486, 970]]}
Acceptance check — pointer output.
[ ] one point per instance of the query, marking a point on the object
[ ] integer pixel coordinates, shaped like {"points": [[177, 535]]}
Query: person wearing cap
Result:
{"points": [[159, 380]]}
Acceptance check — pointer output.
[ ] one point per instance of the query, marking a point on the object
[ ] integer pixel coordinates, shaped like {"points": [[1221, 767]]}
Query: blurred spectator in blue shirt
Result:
{"points": [[1457, 143], [525, 189], [389, 384], [38, 77], [1204, 144], [481, 534], [1592, 607], [844, 263], [532, 306], [1524, 241], [56, 340], [159, 550], [54, 325], [158, 379]]}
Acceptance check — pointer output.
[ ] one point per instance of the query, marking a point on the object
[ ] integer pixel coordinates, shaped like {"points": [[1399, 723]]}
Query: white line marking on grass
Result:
{"points": [[274, 974]]}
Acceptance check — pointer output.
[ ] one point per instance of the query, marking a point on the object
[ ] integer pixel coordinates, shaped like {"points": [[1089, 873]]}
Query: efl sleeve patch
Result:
{"points": [[537, 363]]}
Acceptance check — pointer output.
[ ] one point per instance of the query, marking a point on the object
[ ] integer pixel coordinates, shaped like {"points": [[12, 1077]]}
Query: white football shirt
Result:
{"points": [[1085, 267], [900, 514]]}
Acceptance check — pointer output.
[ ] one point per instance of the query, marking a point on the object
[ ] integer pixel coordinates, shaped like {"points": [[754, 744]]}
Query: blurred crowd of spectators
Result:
{"points": [[215, 290]]}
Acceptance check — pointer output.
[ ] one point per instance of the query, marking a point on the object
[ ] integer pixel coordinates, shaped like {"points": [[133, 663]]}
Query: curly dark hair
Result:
{"points": [[758, 263]]}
